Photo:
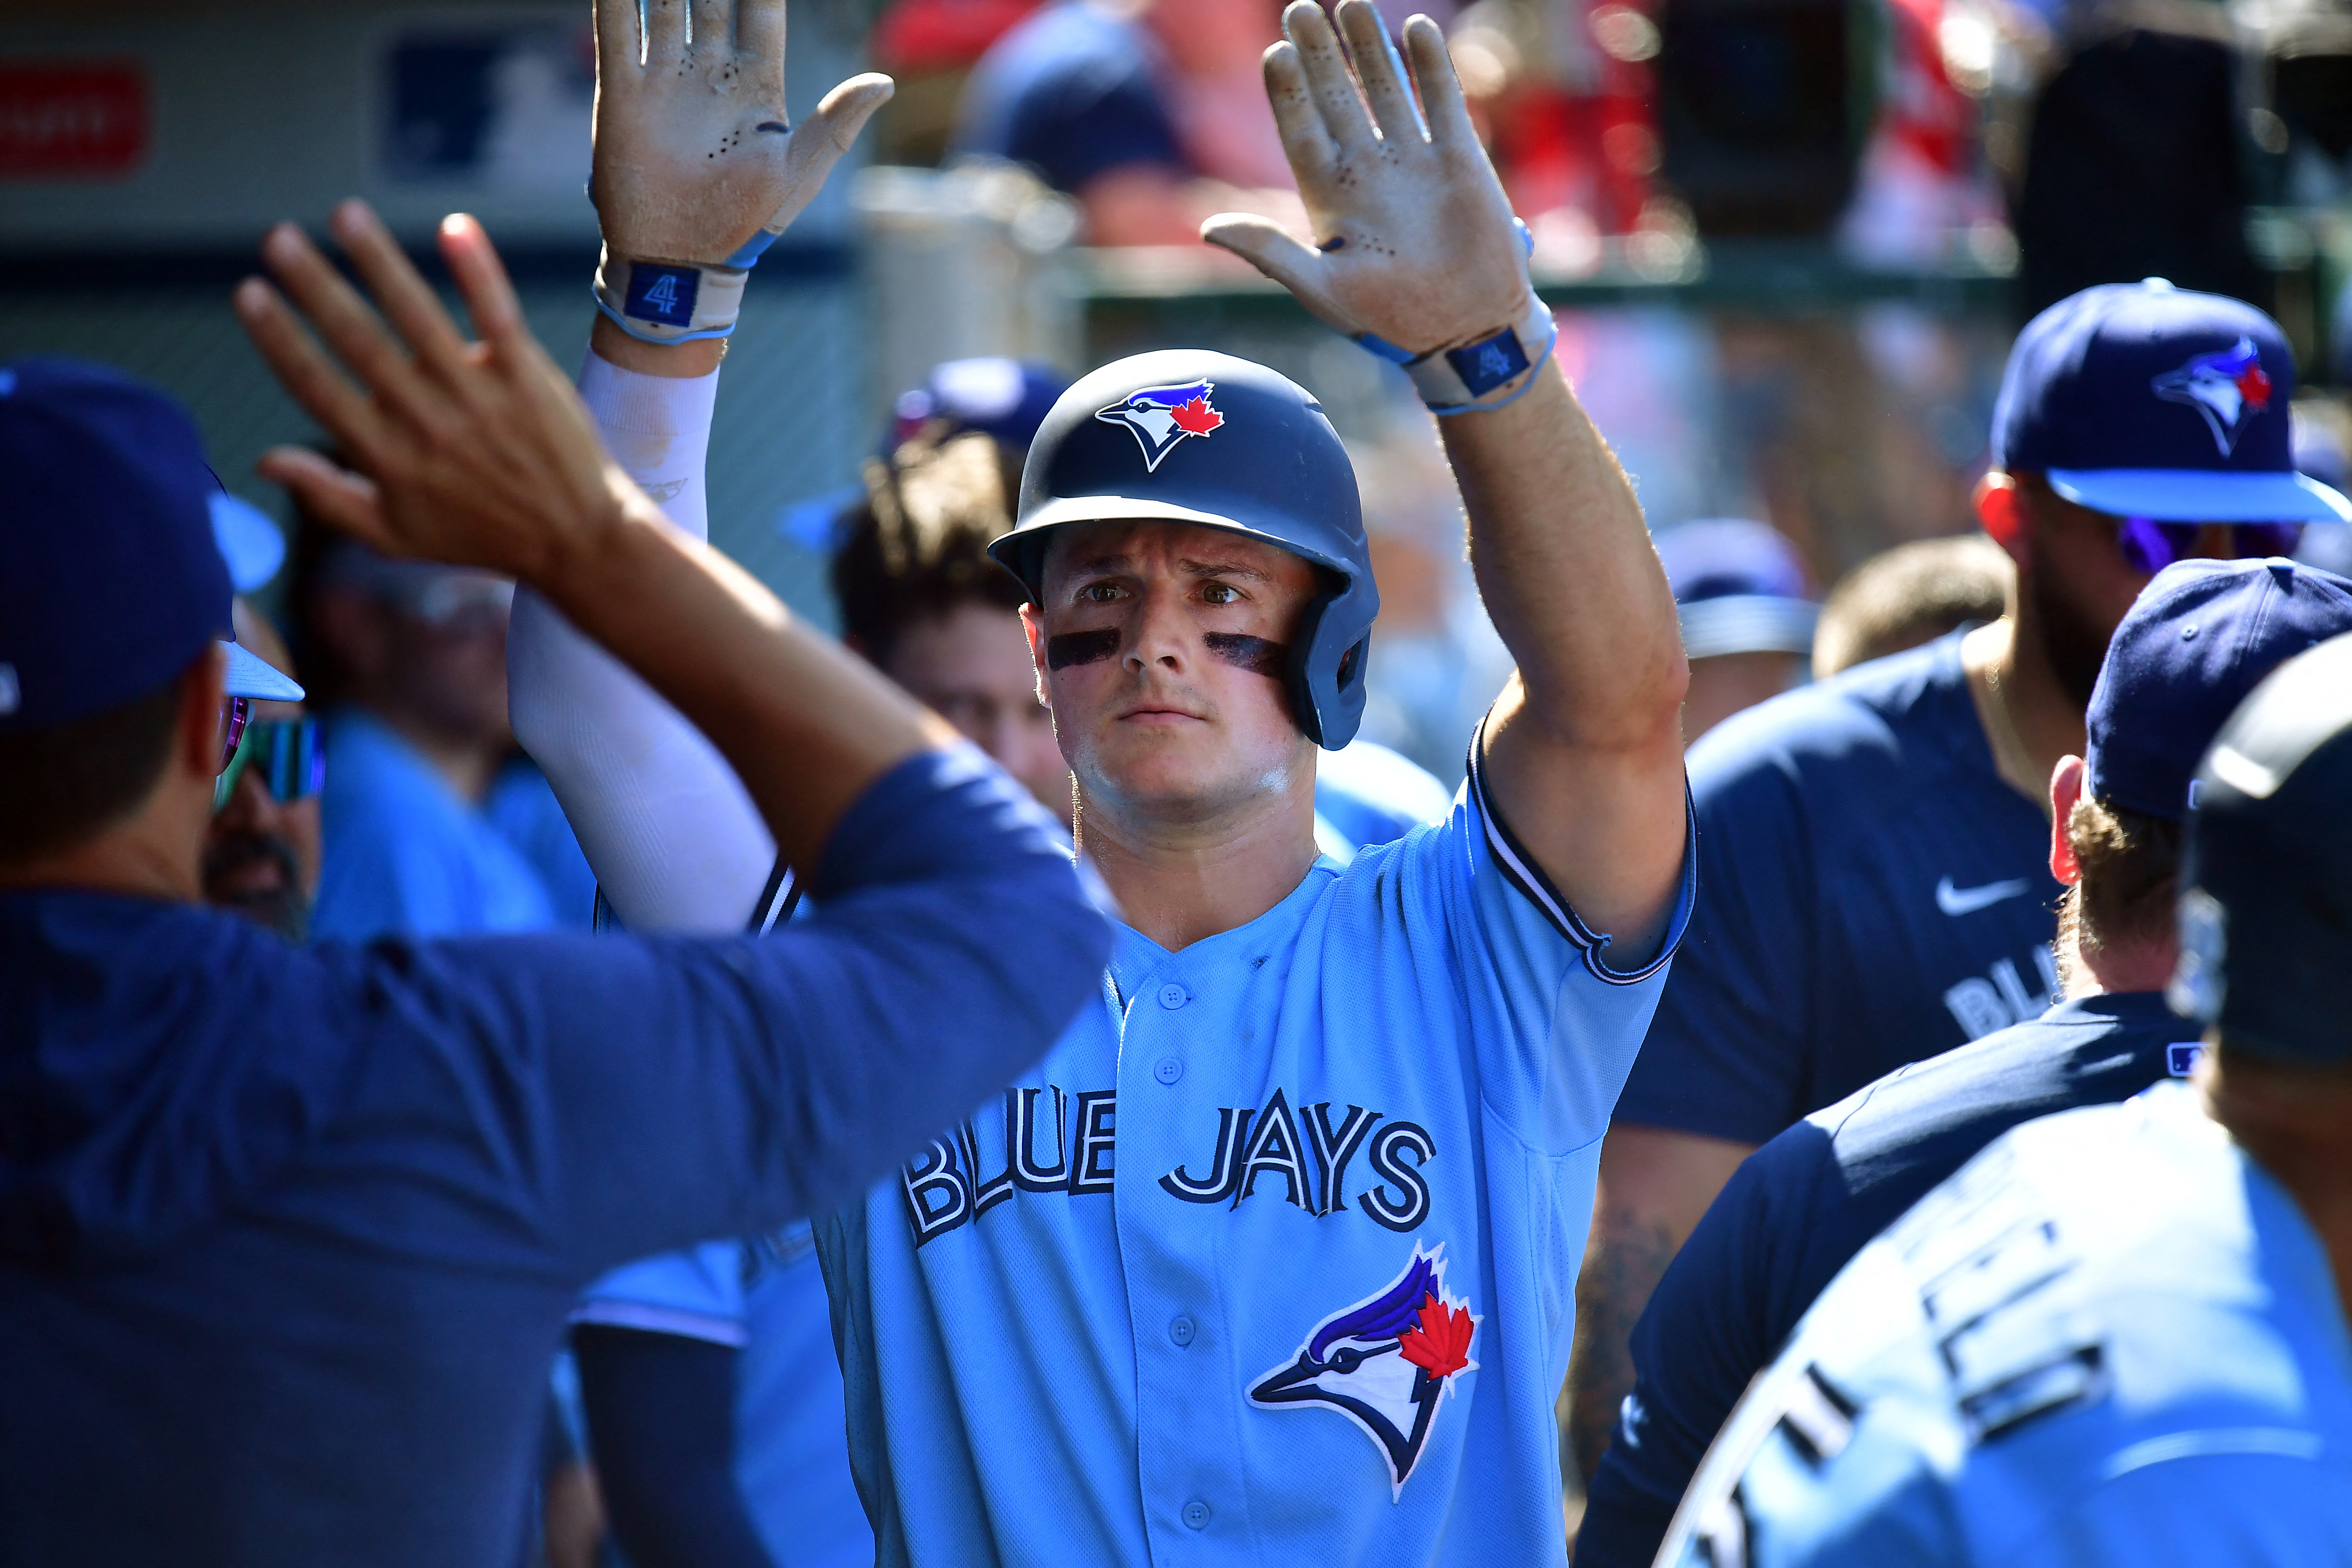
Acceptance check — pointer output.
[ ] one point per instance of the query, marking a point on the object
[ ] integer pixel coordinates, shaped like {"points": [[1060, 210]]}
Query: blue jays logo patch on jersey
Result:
{"points": [[2228, 388], [1386, 1362], [1161, 417]]}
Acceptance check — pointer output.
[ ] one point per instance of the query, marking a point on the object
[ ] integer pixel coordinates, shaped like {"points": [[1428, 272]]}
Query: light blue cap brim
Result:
{"points": [[2202, 495], [249, 542], [248, 676], [1747, 623]]}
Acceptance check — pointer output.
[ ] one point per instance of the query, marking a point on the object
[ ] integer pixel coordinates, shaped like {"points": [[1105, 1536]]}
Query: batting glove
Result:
{"points": [[696, 170], [1418, 256]]}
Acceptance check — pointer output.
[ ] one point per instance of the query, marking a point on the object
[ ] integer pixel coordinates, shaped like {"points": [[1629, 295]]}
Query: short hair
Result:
{"points": [[63, 785], [2130, 882], [918, 547], [1908, 595]]}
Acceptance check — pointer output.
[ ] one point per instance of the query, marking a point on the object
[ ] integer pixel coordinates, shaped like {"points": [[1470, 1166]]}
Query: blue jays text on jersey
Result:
{"points": [[1274, 1253], [1049, 1141]]}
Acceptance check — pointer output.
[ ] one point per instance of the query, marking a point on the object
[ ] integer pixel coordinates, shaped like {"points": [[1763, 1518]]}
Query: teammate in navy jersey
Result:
{"points": [[2116, 1337], [1271, 1260], [1803, 1204], [1876, 887], [288, 1234]]}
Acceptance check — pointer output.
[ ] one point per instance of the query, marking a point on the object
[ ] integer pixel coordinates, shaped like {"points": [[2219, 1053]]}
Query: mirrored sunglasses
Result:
{"points": [[288, 757]]}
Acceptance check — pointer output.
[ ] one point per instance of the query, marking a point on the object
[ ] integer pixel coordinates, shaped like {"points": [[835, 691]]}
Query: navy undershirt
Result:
{"points": [[1800, 1208]]}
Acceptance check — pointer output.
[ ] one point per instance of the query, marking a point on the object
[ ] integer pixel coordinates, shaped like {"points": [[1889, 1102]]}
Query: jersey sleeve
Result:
{"points": [[697, 1294], [1554, 1021], [1726, 1057], [674, 841]]}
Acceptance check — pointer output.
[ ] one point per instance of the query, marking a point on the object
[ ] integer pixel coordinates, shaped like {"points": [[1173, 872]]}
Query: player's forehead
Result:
{"points": [[1155, 547]]}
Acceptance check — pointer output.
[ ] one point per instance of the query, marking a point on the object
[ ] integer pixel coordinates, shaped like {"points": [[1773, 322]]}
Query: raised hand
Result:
{"points": [[477, 454], [1416, 247], [696, 163]]}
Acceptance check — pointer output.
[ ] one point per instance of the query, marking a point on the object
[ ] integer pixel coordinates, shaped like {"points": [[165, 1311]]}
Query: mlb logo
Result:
{"points": [[664, 294], [2180, 1060]]}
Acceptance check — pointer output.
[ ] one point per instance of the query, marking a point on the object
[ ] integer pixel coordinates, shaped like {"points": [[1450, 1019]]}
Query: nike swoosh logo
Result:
{"points": [[1969, 900]]}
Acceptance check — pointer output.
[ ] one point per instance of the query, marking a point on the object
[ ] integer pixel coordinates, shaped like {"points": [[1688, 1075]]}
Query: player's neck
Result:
{"points": [[1180, 879], [2029, 720], [2296, 1124]]}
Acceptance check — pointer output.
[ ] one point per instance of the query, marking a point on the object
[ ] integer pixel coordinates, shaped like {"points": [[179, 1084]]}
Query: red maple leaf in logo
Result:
{"points": [[2255, 387], [1440, 1343], [1196, 417]]}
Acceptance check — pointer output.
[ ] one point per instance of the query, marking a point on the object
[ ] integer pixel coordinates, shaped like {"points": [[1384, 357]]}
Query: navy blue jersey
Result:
{"points": [[1873, 893], [1073, 93], [288, 1236], [1803, 1204]]}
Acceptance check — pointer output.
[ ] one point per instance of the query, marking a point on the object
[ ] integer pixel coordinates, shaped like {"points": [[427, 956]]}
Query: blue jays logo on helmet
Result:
{"points": [[2228, 388], [1161, 417], [1386, 1363]]}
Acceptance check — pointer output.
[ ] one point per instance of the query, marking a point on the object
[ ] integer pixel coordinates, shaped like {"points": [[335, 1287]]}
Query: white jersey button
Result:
{"points": [[1172, 996], [1168, 1069]]}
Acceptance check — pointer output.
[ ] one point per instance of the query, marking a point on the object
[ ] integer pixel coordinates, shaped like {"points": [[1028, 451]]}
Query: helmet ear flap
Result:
{"points": [[1329, 655]]}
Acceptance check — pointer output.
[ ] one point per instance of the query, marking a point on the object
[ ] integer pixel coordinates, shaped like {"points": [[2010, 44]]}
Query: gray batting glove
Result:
{"points": [[697, 168], [1417, 255]]}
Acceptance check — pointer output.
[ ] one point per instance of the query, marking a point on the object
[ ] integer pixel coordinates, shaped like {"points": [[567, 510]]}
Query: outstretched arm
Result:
{"points": [[1419, 258], [481, 454], [695, 172]]}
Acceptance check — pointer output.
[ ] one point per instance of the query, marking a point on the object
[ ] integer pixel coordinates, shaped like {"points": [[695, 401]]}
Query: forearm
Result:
{"points": [[1565, 565], [661, 1419], [676, 842]]}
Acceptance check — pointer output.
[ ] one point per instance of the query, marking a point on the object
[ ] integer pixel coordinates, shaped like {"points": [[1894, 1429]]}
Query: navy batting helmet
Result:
{"points": [[2266, 923], [1192, 436]]}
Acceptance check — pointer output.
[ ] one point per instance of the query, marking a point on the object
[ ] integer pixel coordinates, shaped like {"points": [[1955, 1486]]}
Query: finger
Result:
{"points": [[340, 316], [714, 27], [1378, 68], [1328, 81], [345, 501], [759, 31], [308, 375], [845, 109], [618, 42], [1441, 89], [1304, 141], [482, 281], [402, 295], [665, 25], [1274, 251]]}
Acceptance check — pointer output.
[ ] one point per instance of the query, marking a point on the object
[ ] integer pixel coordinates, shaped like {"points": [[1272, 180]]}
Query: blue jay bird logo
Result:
{"points": [[1386, 1363], [2228, 388], [1161, 417]]}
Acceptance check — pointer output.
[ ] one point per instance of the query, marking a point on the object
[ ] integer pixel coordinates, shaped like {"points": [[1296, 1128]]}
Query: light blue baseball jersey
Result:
{"points": [[764, 1297], [1273, 1258], [2111, 1340]]}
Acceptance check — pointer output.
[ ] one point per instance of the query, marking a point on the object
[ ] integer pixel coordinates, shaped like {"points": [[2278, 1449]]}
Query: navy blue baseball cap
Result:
{"points": [[111, 582], [1006, 398], [2144, 400], [2200, 636], [1739, 587]]}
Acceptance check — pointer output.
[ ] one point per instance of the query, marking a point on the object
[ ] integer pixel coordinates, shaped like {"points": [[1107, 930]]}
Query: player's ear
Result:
{"points": [[1034, 631], [2065, 789], [2001, 508]]}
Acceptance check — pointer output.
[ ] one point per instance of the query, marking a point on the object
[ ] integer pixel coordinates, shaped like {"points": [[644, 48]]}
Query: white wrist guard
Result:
{"points": [[671, 302], [1485, 372]]}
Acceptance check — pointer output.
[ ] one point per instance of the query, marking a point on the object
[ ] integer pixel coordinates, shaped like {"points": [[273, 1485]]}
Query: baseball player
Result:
{"points": [[1878, 888], [2116, 1336], [1270, 1260], [288, 1236], [1808, 1201]]}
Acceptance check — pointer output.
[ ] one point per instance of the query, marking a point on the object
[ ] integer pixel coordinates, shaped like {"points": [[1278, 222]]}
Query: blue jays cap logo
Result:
{"points": [[1386, 1363], [1162, 416], [2228, 388]]}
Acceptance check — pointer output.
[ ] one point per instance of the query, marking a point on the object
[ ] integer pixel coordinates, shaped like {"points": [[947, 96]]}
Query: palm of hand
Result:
{"points": [[692, 146], [1414, 248]]}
